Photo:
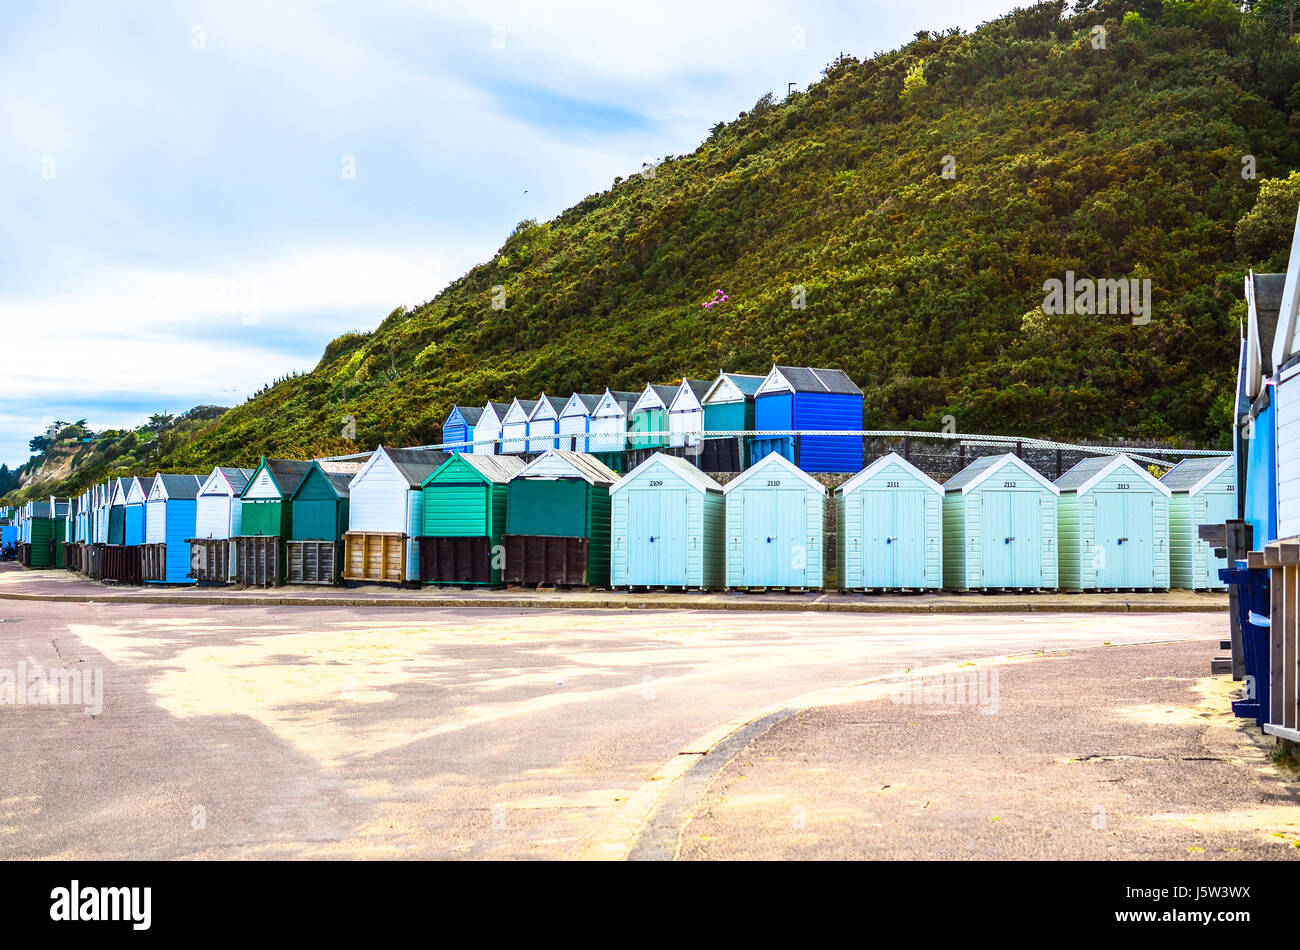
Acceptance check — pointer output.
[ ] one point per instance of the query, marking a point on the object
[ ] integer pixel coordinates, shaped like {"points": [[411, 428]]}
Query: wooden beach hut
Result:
{"points": [[649, 415], [775, 526], [686, 413], [137, 495], [544, 424], [487, 431], [1113, 520], [170, 516], [667, 522], [809, 400], [557, 521], [458, 430], [266, 521], [1203, 490], [514, 426], [464, 519], [999, 527], [889, 528], [319, 520], [729, 407], [575, 422], [386, 515]]}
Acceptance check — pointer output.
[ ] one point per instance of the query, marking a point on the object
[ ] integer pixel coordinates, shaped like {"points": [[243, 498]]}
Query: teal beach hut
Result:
{"points": [[889, 528], [776, 517], [1113, 522], [1203, 490], [666, 526], [999, 527]]}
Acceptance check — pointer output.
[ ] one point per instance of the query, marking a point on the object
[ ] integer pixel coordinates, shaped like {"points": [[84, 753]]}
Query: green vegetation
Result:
{"points": [[1110, 153]]}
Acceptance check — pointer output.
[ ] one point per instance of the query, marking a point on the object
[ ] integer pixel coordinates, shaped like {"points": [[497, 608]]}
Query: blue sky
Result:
{"points": [[198, 196]]}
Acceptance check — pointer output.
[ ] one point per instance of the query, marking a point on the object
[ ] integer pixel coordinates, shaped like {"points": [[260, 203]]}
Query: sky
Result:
{"points": [[195, 197]]}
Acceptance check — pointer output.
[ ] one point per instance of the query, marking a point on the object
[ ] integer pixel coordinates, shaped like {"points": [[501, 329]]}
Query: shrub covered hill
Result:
{"points": [[1121, 155]]}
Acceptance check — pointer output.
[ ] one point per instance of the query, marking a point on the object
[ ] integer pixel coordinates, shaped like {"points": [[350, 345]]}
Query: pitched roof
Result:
{"points": [[584, 466], [774, 460], [415, 465], [678, 466], [495, 468], [745, 383], [471, 414], [1191, 472], [698, 386], [1267, 294], [339, 474], [181, 486], [288, 474], [589, 400], [980, 469], [891, 458], [806, 379], [1090, 471], [1083, 471]]}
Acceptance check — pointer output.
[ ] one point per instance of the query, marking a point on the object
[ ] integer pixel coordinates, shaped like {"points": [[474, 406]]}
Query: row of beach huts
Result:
{"points": [[506, 506]]}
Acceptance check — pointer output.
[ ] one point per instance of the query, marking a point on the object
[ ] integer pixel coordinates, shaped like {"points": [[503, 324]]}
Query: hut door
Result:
{"points": [[878, 530], [1026, 549], [1111, 556], [656, 541], [908, 546], [777, 532], [1000, 539], [1139, 549], [1220, 506]]}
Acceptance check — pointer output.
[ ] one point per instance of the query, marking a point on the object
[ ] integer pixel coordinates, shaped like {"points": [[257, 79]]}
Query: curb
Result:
{"points": [[649, 824], [901, 607]]}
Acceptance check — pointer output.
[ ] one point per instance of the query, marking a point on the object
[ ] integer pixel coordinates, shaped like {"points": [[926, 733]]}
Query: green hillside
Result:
{"points": [[1122, 161]]}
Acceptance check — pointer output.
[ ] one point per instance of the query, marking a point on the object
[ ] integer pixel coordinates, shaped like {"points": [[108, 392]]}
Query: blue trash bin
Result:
{"points": [[1252, 613]]}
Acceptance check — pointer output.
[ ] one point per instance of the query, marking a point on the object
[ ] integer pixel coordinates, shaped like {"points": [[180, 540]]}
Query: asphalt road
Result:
{"points": [[260, 732], [1124, 753]]}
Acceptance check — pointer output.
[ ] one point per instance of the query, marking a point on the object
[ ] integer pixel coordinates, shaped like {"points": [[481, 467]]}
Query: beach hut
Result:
{"points": [[686, 413], [649, 414], [889, 528], [266, 520], [557, 521], [666, 526], [219, 516], [1256, 432], [171, 510], [1203, 491], [575, 422], [219, 511], [514, 426], [1113, 521], [58, 531], [137, 495], [729, 407], [386, 515], [465, 519], [38, 534], [458, 430], [999, 526], [609, 420], [266, 509], [487, 431], [319, 521], [544, 424], [806, 399], [775, 526]]}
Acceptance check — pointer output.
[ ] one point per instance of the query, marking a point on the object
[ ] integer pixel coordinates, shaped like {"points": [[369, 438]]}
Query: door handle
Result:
{"points": [[770, 540], [1121, 540], [652, 539], [1007, 540]]}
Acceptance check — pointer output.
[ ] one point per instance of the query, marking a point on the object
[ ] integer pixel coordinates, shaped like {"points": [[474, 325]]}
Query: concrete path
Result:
{"points": [[18, 583], [1123, 753], [257, 732]]}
